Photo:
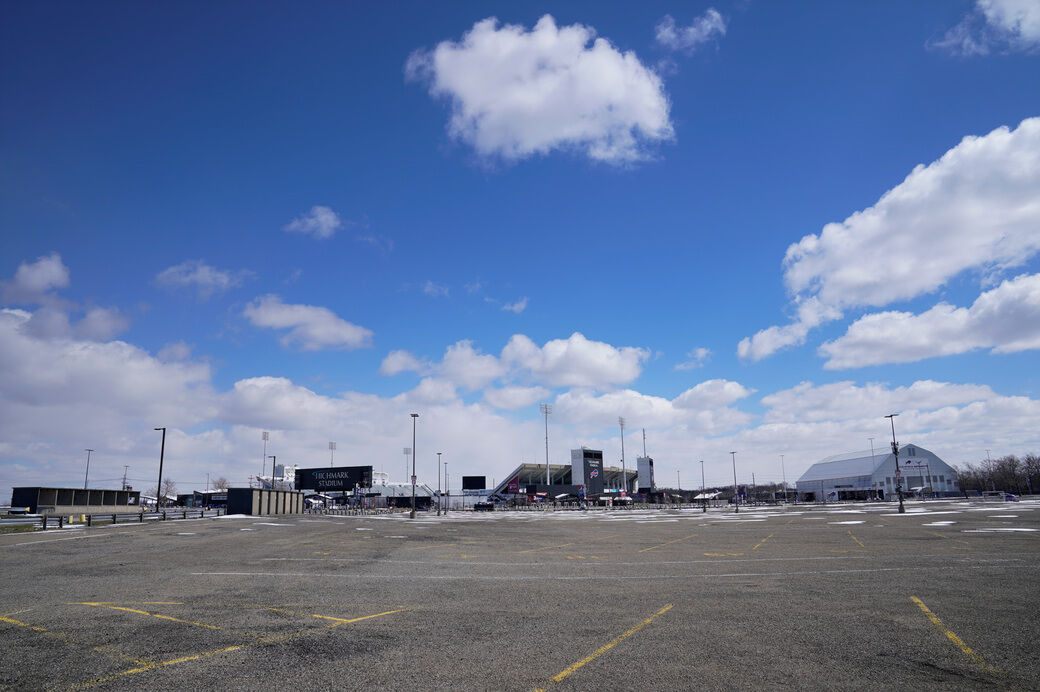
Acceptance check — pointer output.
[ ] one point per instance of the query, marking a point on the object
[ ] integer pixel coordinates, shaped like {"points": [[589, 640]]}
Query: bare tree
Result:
{"points": [[220, 483], [169, 489]]}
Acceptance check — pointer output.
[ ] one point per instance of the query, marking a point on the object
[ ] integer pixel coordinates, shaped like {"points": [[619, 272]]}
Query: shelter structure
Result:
{"points": [[75, 500], [872, 476]]}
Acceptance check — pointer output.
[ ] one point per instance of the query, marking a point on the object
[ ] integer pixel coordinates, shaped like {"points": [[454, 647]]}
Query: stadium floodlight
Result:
{"points": [[332, 453], [438, 484], [624, 480], [263, 459], [704, 499]]}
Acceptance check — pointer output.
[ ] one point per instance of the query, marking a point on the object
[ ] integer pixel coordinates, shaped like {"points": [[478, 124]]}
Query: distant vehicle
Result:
{"points": [[484, 506], [1008, 497]]}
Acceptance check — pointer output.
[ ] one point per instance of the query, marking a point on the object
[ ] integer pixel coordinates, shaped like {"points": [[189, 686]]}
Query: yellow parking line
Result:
{"points": [[366, 617], [607, 647], [857, 540], [563, 545], [668, 543], [22, 624], [154, 615], [763, 541], [976, 659]]}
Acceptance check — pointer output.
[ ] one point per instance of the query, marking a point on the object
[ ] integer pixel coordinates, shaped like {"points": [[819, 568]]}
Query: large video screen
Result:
{"points": [[334, 478]]}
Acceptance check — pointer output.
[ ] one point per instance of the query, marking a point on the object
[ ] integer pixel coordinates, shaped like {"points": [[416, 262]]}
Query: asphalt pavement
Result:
{"points": [[815, 597]]}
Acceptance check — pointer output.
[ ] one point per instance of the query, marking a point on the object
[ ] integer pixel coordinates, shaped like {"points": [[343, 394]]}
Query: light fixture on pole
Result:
{"points": [[546, 409], [895, 455], [624, 479], [87, 473], [783, 475], [414, 416], [736, 494], [332, 453], [438, 484], [704, 499], [263, 460], [407, 457], [162, 452]]}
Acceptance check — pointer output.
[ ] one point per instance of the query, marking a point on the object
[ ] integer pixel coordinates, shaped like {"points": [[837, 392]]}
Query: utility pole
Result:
{"points": [[162, 451], [783, 474], [895, 453], [263, 460], [125, 469], [414, 417], [87, 474], [704, 500], [438, 484], [274, 460], [736, 493]]}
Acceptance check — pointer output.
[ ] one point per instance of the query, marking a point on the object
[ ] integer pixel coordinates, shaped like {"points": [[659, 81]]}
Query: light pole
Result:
{"points": [[873, 461], [126, 468], [274, 460], [162, 452], [446, 491], [736, 495], [546, 409], [783, 475], [895, 453], [704, 500], [624, 479], [407, 455], [87, 473], [414, 416], [438, 484], [263, 460], [332, 453]]}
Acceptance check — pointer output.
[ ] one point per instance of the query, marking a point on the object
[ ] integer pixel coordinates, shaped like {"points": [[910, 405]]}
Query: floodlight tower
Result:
{"points": [[546, 409], [263, 460], [624, 480], [414, 417], [332, 453], [87, 473]]}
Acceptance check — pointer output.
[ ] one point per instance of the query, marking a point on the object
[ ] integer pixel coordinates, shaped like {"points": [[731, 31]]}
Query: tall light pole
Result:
{"points": [[162, 452], [126, 468], [895, 453], [736, 495], [624, 479], [332, 453], [407, 455], [87, 473], [546, 409], [263, 460], [704, 500], [274, 460], [438, 484], [446, 491], [414, 416], [783, 475]]}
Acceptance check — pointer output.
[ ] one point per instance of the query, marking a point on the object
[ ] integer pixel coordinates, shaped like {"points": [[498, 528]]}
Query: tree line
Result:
{"points": [[1009, 473]]}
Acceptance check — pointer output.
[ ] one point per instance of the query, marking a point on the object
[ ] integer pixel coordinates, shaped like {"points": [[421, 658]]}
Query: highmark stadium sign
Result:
{"points": [[344, 478]]}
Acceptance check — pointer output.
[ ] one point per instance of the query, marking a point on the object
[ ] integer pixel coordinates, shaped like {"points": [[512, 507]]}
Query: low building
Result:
{"points": [[872, 476], [584, 475], [76, 500]]}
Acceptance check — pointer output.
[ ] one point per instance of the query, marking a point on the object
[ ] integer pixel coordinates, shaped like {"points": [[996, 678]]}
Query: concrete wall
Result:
{"points": [[76, 500], [257, 502]]}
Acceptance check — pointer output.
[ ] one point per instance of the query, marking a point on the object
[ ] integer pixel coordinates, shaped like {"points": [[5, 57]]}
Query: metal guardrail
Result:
{"points": [[50, 521]]}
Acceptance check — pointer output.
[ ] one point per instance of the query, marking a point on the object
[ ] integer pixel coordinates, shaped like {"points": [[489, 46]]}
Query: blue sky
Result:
{"points": [[225, 218]]}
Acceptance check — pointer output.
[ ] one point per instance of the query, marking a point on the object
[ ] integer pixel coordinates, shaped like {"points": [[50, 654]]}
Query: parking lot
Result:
{"points": [[839, 596]]}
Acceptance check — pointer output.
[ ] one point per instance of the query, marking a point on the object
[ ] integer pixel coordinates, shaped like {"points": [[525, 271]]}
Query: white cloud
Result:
{"points": [[320, 222], [712, 394], [696, 358], [177, 350], [840, 401], [1006, 319], [515, 397], [101, 324], [995, 24], [575, 362], [402, 361], [516, 307], [973, 209], [688, 38], [517, 93], [431, 390], [436, 290], [201, 277], [379, 242], [33, 281], [312, 328], [468, 367]]}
